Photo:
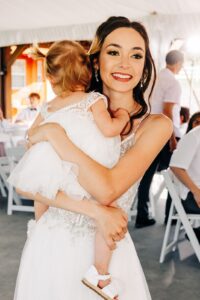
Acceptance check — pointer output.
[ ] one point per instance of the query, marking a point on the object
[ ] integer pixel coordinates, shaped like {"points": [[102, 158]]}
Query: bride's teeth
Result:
{"points": [[122, 76]]}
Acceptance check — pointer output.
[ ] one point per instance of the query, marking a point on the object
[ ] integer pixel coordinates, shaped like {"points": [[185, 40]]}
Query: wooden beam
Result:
{"points": [[14, 56], [6, 81], [2, 80], [7, 84]]}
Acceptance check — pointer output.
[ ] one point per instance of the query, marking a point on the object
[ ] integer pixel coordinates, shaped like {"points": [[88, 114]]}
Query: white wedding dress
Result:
{"points": [[60, 246]]}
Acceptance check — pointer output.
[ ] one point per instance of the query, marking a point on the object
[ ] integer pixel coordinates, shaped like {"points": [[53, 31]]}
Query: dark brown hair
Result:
{"points": [[192, 120]]}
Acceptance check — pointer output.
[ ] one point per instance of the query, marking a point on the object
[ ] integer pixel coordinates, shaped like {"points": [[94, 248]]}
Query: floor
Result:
{"points": [[178, 278]]}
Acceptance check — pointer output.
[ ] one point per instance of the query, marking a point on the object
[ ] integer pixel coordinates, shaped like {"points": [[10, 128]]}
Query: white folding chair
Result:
{"points": [[14, 154], [156, 190], [4, 173], [178, 213]]}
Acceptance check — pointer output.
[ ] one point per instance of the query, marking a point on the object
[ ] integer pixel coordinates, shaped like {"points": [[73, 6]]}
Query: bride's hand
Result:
{"points": [[112, 223]]}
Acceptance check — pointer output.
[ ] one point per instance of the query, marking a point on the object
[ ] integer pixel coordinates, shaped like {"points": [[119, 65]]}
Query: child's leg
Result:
{"points": [[40, 208], [102, 255], [101, 264]]}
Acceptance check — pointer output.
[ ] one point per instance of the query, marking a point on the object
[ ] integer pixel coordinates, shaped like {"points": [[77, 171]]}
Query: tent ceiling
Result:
{"points": [[27, 21]]}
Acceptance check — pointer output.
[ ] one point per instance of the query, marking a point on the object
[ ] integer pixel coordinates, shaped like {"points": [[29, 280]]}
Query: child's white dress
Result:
{"points": [[41, 169], [60, 246]]}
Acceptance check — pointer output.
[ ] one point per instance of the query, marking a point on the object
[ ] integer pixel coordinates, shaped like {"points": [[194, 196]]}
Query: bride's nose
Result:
{"points": [[124, 62]]}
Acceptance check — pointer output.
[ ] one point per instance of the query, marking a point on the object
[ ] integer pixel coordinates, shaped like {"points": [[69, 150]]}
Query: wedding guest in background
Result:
{"points": [[166, 99], [28, 114], [184, 117], [185, 163]]}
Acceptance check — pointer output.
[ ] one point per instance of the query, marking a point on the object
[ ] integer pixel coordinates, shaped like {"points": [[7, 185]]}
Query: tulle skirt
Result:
{"points": [[42, 171], [56, 256]]}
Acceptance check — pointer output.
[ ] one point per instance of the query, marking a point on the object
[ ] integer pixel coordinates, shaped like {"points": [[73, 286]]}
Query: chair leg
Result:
{"points": [[2, 188], [176, 233], [152, 204], [10, 200], [167, 234]]}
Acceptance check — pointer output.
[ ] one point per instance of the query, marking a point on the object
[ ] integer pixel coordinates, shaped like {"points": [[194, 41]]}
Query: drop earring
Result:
{"points": [[96, 75]]}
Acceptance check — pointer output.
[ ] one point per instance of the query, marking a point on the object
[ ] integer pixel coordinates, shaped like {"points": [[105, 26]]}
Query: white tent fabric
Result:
{"points": [[28, 21]]}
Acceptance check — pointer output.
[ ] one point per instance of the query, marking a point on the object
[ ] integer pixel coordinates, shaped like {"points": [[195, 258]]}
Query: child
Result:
{"points": [[85, 118]]}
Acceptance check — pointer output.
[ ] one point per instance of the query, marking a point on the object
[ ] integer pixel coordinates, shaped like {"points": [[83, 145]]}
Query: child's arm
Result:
{"points": [[109, 126], [39, 209]]}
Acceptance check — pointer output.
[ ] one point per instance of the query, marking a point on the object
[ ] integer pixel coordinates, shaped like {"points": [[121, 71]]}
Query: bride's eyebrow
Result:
{"points": [[118, 46]]}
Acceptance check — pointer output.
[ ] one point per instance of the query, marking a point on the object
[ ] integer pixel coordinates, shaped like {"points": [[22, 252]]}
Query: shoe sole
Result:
{"points": [[96, 289]]}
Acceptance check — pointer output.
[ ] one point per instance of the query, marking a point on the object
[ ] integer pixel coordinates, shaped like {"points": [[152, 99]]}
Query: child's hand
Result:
{"points": [[122, 113]]}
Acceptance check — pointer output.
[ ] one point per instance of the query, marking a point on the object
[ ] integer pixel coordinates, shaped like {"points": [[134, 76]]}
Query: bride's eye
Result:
{"points": [[113, 52], [137, 56]]}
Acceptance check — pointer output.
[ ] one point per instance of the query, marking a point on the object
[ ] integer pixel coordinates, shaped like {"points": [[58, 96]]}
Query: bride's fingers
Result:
{"points": [[125, 216], [118, 237], [111, 243], [125, 229]]}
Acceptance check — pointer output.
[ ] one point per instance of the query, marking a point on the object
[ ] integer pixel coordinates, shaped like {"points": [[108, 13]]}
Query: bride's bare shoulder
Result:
{"points": [[159, 119], [156, 123]]}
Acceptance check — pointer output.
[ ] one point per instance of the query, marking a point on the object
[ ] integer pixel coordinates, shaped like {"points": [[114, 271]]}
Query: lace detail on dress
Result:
{"points": [[94, 97], [127, 144], [82, 106], [78, 224]]}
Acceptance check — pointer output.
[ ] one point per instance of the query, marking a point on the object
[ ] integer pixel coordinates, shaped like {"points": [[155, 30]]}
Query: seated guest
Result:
{"points": [[184, 118], [185, 162], [194, 121], [28, 115]]}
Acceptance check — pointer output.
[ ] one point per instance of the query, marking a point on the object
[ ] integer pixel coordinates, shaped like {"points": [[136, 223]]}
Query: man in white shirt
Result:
{"points": [[28, 115], [166, 99], [185, 164]]}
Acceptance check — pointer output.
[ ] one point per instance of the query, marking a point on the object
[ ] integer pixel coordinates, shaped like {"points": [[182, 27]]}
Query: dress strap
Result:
{"points": [[93, 98], [139, 123]]}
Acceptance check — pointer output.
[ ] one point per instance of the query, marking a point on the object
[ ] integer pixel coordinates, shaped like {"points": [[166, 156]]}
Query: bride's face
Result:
{"points": [[121, 60]]}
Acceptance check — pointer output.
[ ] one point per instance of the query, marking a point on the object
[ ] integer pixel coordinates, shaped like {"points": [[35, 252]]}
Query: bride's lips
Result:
{"points": [[123, 77]]}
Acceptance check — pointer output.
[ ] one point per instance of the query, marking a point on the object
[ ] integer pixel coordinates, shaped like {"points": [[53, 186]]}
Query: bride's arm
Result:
{"points": [[111, 221], [104, 184]]}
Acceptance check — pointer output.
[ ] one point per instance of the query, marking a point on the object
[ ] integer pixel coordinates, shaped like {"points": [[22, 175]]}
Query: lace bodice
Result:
{"points": [[81, 106]]}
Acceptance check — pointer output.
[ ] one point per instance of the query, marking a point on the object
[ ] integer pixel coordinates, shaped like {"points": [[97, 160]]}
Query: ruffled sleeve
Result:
{"points": [[93, 98]]}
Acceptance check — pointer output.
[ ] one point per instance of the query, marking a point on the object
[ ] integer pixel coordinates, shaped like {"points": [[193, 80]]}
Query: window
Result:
{"points": [[18, 74], [39, 71]]}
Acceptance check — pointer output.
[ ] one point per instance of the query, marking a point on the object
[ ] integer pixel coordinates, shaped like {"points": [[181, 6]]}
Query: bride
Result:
{"points": [[60, 246]]}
